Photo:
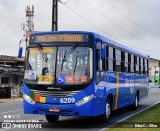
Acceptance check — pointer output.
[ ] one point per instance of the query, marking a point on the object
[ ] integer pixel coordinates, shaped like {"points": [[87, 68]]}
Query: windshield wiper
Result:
{"points": [[66, 55], [75, 64], [44, 56], [63, 59]]}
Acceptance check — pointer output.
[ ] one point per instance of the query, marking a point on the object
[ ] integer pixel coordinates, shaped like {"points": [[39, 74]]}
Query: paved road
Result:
{"points": [[74, 123]]}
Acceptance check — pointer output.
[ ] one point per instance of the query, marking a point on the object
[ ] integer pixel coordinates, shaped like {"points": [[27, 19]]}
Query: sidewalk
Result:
{"points": [[9, 100]]}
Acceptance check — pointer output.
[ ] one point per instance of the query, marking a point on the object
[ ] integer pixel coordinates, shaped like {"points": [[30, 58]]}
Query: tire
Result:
{"points": [[107, 111], [135, 105], [52, 118]]}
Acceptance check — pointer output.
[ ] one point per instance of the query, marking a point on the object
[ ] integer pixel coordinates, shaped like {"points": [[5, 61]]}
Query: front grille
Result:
{"points": [[55, 93]]}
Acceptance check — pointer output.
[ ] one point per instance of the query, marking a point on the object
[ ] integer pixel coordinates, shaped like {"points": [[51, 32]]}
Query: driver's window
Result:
{"points": [[100, 61]]}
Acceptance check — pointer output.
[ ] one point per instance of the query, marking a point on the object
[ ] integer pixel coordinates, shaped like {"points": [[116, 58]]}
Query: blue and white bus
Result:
{"points": [[75, 73]]}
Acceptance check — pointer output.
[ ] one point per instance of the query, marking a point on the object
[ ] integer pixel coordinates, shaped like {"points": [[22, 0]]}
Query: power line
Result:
{"points": [[153, 50], [132, 21], [117, 24], [96, 26], [64, 2]]}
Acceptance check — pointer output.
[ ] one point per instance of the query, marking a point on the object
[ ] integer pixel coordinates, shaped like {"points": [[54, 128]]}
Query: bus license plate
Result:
{"points": [[54, 110]]}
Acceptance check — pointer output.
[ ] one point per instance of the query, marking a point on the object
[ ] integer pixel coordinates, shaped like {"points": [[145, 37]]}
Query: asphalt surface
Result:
{"points": [[14, 111]]}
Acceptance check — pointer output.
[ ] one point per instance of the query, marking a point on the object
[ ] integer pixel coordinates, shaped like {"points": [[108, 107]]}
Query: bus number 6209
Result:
{"points": [[67, 100]]}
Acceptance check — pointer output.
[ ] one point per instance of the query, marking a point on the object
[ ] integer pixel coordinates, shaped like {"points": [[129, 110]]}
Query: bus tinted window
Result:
{"points": [[136, 64], [145, 62], [132, 59], [137, 60], [110, 64], [110, 57], [132, 63], [110, 53], [137, 69], [132, 68], [141, 61], [118, 55], [126, 57], [118, 60], [126, 62]]}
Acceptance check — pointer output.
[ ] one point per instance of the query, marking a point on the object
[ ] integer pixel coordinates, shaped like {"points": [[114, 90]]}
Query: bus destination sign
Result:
{"points": [[60, 38]]}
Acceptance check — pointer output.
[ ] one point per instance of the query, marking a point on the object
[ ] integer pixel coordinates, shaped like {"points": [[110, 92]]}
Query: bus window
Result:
{"points": [[118, 60], [122, 61], [110, 64], [136, 64], [129, 62], [126, 62], [98, 59], [138, 61], [110, 58], [104, 59], [100, 62], [141, 61], [146, 66], [114, 59], [100, 56], [145, 62], [107, 48], [132, 63], [110, 52]]}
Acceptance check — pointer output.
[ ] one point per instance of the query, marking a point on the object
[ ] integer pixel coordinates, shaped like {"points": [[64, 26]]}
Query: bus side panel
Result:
{"points": [[105, 87], [123, 87], [128, 85], [124, 90], [144, 86]]}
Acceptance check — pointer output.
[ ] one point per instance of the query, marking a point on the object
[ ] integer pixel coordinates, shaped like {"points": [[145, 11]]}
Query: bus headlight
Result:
{"points": [[84, 100], [28, 99]]}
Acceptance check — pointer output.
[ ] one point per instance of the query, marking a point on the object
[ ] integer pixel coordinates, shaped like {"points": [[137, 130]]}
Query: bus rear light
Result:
{"points": [[84, 100]]}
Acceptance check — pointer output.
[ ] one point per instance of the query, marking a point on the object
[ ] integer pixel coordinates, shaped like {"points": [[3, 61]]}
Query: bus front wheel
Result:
{"points": [[52, 118], [107, 112]]}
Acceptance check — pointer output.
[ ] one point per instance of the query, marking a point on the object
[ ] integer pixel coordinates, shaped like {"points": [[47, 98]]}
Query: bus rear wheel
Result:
{"points": [[107, 112], [52, 118], [135, 105]]}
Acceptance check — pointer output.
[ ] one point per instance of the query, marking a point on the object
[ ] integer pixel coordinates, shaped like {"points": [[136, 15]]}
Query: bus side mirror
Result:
{"points": [[20, 52]]}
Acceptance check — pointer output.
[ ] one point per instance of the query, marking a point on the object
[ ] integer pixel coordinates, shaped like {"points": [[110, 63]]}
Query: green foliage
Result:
{"points": [[151, 115]]}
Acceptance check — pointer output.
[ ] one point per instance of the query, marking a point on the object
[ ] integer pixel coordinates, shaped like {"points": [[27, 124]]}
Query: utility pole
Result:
{"points": [[29, 25], [55, 15]]}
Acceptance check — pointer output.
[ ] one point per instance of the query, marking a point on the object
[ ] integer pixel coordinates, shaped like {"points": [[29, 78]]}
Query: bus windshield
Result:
{"points": [[62, 65]]}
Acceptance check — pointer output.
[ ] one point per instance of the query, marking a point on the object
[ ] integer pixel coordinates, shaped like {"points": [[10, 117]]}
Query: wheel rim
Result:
{"points": [[108, 110]]}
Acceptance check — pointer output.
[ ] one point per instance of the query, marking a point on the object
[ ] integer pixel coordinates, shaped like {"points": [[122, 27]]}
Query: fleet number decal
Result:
{"points": [[45, 79], [67, 100]]}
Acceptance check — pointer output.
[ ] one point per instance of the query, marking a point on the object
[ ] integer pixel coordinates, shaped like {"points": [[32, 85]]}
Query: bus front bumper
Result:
{"points": [[64, 109]]}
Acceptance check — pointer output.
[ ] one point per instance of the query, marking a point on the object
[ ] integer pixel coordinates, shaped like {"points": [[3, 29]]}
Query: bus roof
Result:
{"points": [[107, 40]]}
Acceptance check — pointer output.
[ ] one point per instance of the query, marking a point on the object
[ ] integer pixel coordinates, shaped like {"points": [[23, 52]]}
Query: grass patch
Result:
{"points": [[149, 116]]}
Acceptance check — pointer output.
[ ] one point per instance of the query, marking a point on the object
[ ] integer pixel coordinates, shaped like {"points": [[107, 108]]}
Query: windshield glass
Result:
{"points": [[74, 65], [40, 65]]}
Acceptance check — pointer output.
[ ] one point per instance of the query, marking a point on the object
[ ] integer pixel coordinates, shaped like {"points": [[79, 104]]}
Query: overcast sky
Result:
{"points": [[135, 23]]}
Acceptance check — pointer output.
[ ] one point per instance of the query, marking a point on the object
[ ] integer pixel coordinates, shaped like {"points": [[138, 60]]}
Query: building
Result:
{"points": [[11, 72], [154, 71]]}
